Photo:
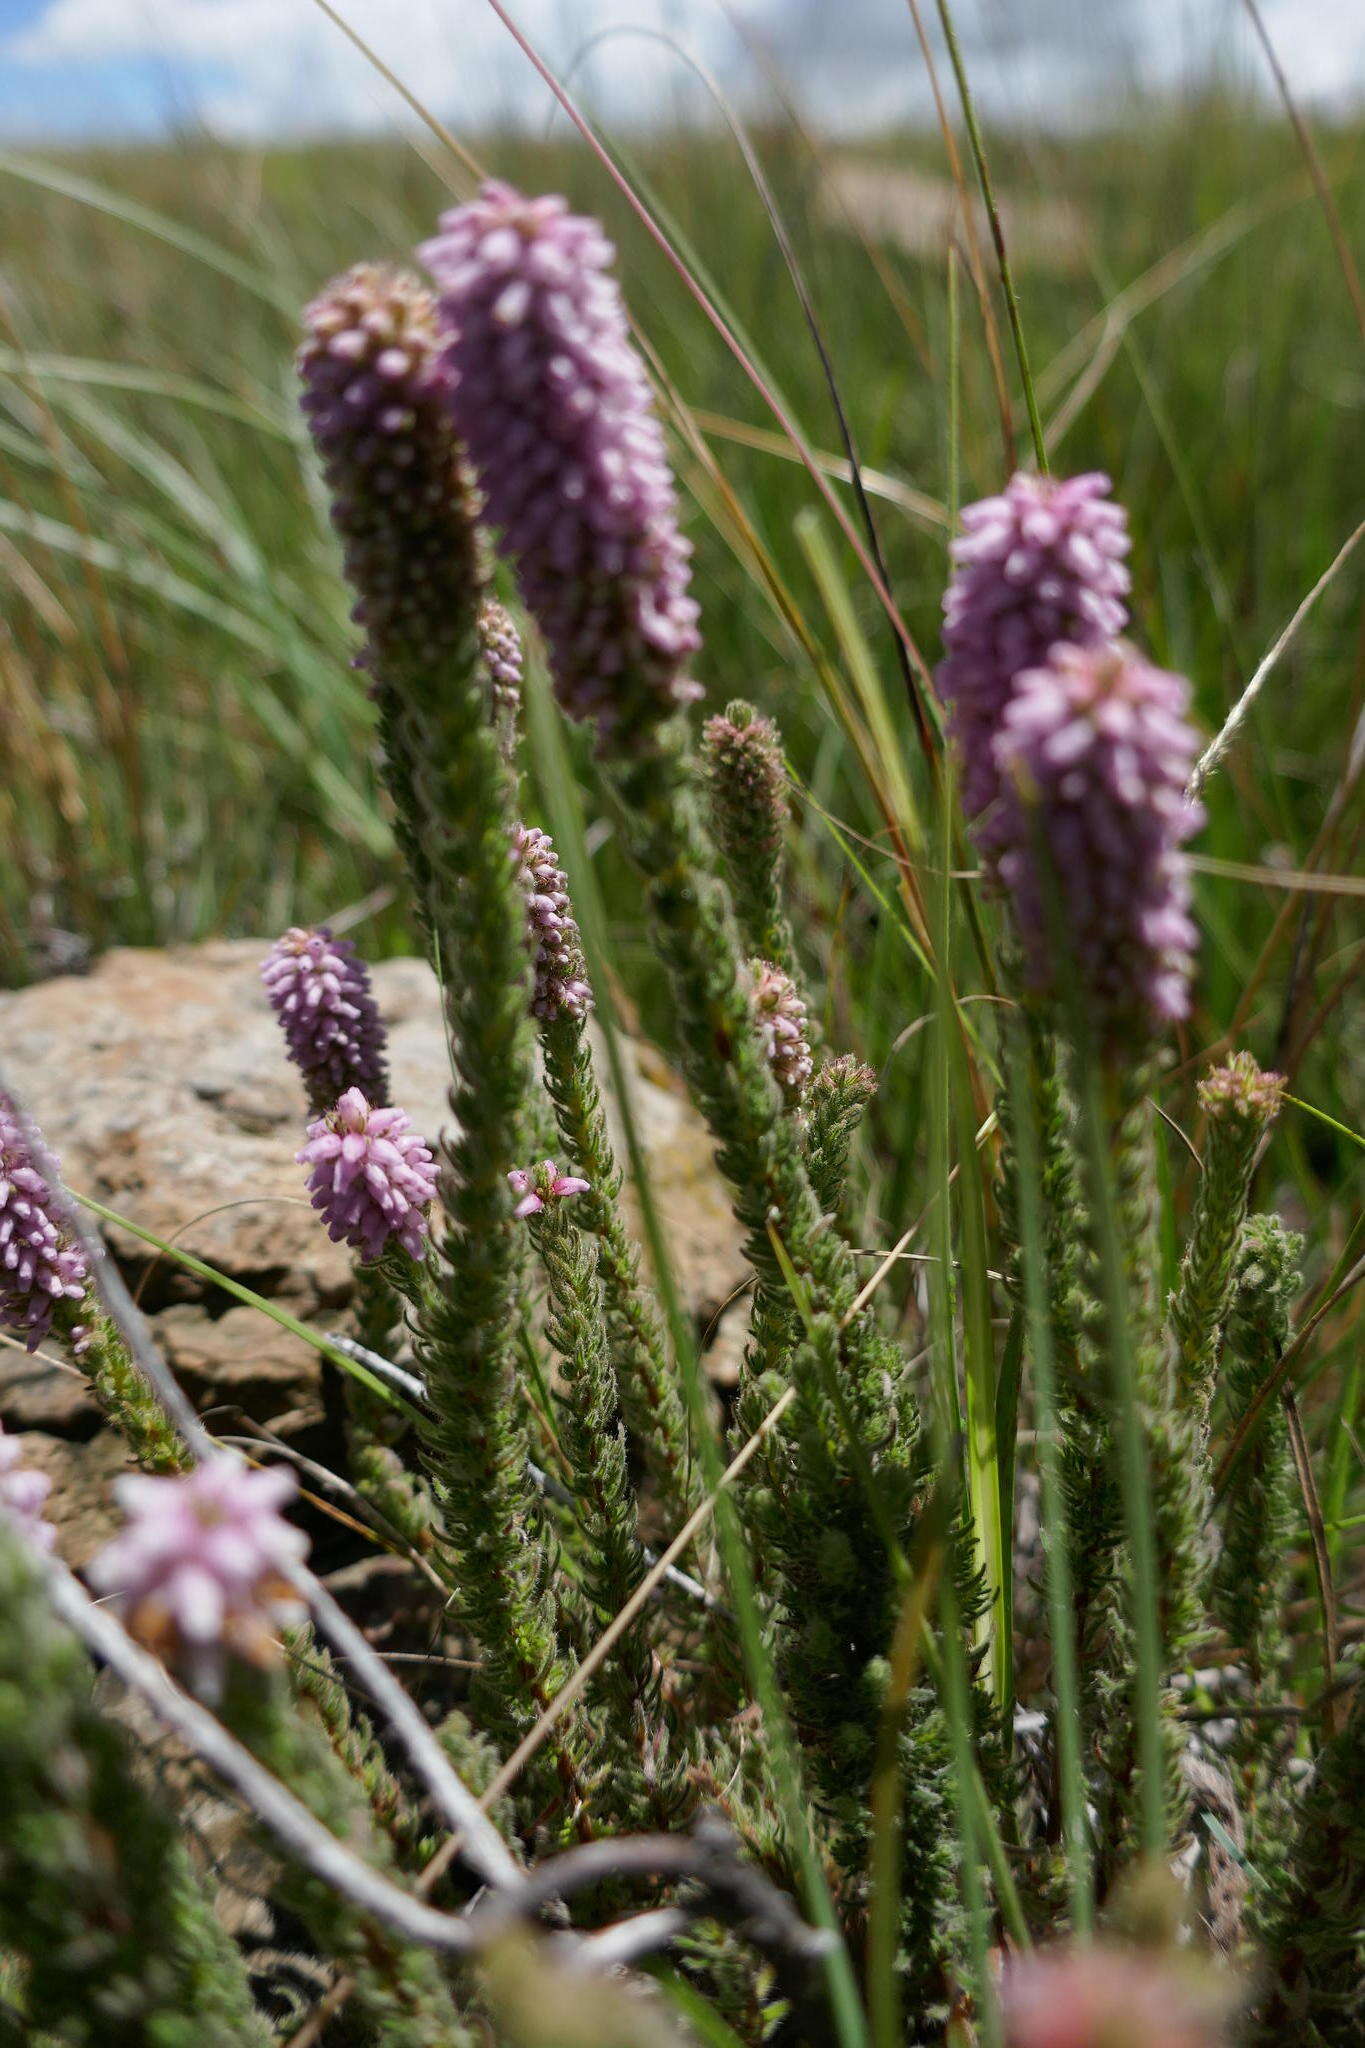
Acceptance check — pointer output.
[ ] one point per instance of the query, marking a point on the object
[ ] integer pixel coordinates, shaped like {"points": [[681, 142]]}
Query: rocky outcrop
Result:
{"points": [[160, 1081]]}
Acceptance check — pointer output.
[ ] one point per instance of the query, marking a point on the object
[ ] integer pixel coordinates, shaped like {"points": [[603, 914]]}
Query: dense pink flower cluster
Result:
{"points": [[781, 1017], [552, 402], [560, 984], [371, 1176], [23, 1494], [1241, 1091], [39, 1265], [320, 990], [374, 400], [201, 1567], [538, 1186], [1040, 563], [1093, 754], [1105, 1997]]}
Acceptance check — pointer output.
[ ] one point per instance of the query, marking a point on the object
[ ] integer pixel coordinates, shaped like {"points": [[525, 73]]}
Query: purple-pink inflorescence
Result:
{"points": [[781, 1017], [560, 986], [552, 403], [501, 646], [373, 393], [371, 1176], [39, 1265], [23, 1494], [538, 1186], [1093, 755], [1106, 1997], [201, 1567], [320, 990], [1040, 563]]}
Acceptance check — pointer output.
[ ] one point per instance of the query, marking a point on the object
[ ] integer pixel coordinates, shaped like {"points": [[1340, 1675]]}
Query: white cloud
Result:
{"points": [[260, 68], [265, 67]]}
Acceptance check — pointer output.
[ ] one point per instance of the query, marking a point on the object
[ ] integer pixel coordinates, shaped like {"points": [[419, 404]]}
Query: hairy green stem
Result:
{"points": [[651, 1396]]}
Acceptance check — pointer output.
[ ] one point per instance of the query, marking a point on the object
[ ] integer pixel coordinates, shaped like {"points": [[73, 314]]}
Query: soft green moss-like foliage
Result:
{"points": [[1312, 1921]]}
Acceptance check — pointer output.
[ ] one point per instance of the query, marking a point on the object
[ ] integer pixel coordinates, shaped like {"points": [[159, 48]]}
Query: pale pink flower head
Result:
{"points": [[372, 1177], [201, 1568], [538, 1186], [1108, 1997], [23, 1494]]}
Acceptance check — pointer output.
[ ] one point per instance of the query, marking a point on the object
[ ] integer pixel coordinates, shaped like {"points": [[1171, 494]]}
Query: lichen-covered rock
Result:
{"points": [[160, 1081]]}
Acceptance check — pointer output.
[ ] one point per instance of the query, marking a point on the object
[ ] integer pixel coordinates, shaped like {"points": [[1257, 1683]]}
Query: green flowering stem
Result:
{"points": [[466, 1325], [759, 1145], [1240, 1104], [746, 788], [97, 1895], [865, 1470], [651, 1396], [321, 1695], [452, 771], [1125, 1689], [400, 1993], [1250, 1580], [1312, 1925], [119, 1387], [1087, 1462], [593, 1441]]}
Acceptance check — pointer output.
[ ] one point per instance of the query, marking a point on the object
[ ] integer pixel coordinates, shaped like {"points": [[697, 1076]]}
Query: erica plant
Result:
{"points": [[729, 1711]]}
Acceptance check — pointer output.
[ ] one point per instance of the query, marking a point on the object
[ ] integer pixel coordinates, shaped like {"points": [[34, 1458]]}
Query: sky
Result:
{"points": [[261, 69]]}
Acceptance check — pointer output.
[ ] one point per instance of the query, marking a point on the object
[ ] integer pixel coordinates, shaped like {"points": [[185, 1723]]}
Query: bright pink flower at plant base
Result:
{"points": [[540, 1185], [372, 1177], [1041, 563], [1093, 755], [320, 991], [1112, 1998], [39, 1266], [200, 1569], [552, 401], [23, 1494]]}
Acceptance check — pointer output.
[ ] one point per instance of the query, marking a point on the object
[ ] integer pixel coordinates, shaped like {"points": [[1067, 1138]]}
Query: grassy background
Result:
{"points": [[189, 753]]}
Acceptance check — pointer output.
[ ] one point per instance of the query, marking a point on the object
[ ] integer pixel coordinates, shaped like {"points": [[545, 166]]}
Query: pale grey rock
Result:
{"points": [[160, 1081]]}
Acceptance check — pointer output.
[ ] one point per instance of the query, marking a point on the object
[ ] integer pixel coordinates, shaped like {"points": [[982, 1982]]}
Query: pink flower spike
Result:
{"points": [[201, 1567], [23, 1493], [372, 1178], [39, 1265], [320, 990]]}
